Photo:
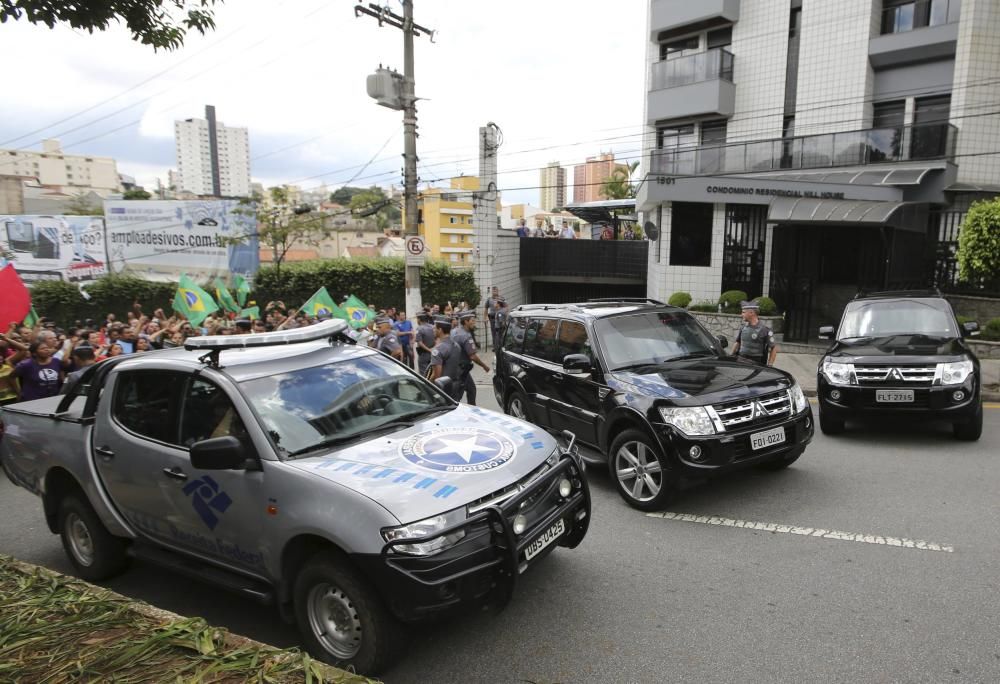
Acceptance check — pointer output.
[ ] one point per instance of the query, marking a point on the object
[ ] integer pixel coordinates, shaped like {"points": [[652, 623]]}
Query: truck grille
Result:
{"points": [[918, 376], [501, 495], [768, 408]]}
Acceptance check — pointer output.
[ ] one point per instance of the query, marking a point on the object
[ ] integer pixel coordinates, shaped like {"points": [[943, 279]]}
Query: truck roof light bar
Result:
{"points": [[214, 344]]}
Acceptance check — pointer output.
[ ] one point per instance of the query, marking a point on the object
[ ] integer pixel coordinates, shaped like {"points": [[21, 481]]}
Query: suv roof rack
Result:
{"points": [[215, 344], [927, 292], [546, 307], [630, 300]]}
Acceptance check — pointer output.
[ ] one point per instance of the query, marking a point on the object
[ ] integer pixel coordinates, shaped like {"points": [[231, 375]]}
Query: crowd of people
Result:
{"points": [[47, 359]]}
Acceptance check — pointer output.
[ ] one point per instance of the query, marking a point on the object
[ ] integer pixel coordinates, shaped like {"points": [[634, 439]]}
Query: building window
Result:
{"points": [[712, 153], [453, 258], [691, 234], [454, 239], [451, 219], [930, 127], [719, 38], [679, 48]]}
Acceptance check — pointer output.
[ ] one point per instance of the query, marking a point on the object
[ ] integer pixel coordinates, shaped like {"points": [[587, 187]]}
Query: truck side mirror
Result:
{"points": [[826, 332], [970, 329], [218, 453], [723, 342], [576, 363]]}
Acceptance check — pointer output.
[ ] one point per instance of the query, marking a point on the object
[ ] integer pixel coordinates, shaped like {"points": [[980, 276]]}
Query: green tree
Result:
{"points": [[619, 183], [136, 194], [374, 203], [343, 195], [979, 245], [81, 205], [280, 225], [160, 23]]}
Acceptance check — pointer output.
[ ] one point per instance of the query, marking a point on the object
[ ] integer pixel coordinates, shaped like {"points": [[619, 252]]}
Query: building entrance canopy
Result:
{"points": [[829, 211]]}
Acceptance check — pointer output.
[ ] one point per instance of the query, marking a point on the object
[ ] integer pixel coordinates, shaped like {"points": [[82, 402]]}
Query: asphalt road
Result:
{"points": [[647, 599]]}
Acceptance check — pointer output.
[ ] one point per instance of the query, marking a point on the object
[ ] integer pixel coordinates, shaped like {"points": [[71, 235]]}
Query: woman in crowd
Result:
{"points": [[41, 375]]}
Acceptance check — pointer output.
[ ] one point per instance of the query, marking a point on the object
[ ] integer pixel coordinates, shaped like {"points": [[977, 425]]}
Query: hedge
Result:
{"points": [[730, 300], [376, 281], [681, 299]]}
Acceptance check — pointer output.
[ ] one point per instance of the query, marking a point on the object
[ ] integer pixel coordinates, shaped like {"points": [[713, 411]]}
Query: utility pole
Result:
{"points": [[406, 100], [484, 213]]}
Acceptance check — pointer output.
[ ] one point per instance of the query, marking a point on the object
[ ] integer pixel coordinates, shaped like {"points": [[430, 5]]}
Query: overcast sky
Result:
{"points": [[563, 80]]}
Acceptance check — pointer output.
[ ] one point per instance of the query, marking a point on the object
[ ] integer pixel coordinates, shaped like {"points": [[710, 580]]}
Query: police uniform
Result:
{"points": [[425, 334], [467, 348], [756, 341], [500, 319], [387, 343], [446, 355]]}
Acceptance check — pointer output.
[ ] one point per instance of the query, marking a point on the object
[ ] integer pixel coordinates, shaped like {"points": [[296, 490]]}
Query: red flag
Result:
{"points": [[15, 301]]}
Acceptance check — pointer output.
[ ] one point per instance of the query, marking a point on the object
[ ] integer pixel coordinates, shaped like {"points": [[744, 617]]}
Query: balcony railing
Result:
{"points": [[703, 66], [919, 14], [824, 150], [584, 258]]}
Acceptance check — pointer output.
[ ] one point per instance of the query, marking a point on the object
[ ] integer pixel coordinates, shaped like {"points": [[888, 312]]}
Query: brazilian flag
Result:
{"points": [[225, 299], [252, 313], [242, 289], [31, 320], [321, 305], [358, 313], [193, 302]]}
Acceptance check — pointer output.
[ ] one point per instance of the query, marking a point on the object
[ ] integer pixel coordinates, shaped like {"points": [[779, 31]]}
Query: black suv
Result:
{"points": [[647, 390], [901, 354]]}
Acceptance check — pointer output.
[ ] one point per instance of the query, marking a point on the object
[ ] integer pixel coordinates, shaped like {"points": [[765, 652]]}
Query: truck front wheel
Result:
{"points": [[95, 553], [342, 620]]}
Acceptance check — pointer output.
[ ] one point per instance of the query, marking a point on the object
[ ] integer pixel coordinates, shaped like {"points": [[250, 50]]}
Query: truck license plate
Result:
{"points": [[548, 536], [894, 396], [762, 440]]}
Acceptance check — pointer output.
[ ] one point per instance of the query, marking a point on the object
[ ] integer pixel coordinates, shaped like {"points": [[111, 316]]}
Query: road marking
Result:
{"points": [[862, 537]]}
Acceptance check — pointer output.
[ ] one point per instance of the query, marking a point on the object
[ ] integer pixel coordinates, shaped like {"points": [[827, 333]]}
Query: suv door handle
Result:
{"points": [[175, 473], [104, 452]]}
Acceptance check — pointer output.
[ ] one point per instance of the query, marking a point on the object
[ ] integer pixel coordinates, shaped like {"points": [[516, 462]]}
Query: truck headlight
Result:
{"points": [[839, 373], [954, 373], [691, 420], [424, 528], [799, 401]]}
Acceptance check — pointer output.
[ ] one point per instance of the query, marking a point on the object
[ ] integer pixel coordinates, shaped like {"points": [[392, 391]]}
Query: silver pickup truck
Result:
{"points": [[303, 471]]}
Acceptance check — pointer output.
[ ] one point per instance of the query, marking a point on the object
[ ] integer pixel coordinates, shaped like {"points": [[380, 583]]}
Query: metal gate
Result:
{"points": [[744, 248]]}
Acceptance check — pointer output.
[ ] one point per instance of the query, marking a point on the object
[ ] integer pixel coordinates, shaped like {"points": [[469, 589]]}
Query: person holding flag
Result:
{"points": [[192, 302], [321, 305], [359, 315]]}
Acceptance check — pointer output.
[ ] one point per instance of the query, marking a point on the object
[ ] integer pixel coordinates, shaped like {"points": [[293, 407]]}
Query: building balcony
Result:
{"points": [[820, 151], [689, 86], [685, 16], [622, 259], [922, 30]]}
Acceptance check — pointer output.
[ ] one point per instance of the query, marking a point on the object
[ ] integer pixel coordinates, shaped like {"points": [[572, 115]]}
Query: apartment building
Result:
{"points": [[806, 148], [589, 176], [67, 174], [212, 159], [552, 187]]}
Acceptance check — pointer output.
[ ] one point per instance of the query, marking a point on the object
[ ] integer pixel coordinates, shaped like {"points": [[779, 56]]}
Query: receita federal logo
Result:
{"points": [[458, 450]]}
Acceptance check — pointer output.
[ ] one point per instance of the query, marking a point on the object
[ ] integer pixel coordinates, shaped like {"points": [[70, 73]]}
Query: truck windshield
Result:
{"points": [[883, 318], [307, 408], [650, 338]]}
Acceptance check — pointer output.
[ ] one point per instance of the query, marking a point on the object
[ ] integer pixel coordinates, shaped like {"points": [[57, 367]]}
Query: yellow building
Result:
{"points": [[445, 221]]}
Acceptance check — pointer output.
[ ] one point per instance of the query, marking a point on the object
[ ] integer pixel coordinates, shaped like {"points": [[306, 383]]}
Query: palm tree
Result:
{"points": [[619, 183]]}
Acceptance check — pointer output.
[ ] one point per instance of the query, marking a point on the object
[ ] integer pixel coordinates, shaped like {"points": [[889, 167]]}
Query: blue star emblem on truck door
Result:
{"points": [[458, 450], [207, 498]]}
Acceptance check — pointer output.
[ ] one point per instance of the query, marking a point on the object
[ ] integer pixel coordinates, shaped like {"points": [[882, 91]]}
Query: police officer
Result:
{"points": [[425, 340], [385, 339], [491, 310], [499, 321], [754, 341], [445, 357], [466, 344]]}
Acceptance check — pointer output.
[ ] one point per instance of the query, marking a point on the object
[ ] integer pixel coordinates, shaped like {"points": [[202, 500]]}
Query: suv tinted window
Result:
{"points": [[880, 318], [208, 413], [653, 337], [540, 339], [573, 340], [514, 337], [145, 402]]}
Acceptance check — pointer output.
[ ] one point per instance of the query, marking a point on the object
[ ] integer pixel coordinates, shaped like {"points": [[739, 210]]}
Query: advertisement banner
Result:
{"points": [[70, 248], [160, 240]]}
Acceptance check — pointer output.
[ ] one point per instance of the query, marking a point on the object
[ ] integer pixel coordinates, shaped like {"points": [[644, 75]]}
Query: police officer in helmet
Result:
{"points": [[385, 339], [466, 344], [754, 341]]}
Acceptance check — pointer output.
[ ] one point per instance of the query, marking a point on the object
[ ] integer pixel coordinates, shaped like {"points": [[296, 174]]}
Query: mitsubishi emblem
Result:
{"points": [[758, 411], [894, 374]]}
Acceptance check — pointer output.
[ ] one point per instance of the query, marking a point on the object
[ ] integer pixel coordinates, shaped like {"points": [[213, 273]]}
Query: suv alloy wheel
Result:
{"points": [[639, 471]]}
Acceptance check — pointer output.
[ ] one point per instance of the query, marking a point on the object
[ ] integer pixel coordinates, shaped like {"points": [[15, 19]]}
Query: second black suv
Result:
{"points": [[900, 354], [647, 387]]}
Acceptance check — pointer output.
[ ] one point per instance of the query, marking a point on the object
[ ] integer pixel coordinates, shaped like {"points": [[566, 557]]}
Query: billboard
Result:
{"points": [[70, 248], [160, 240]]}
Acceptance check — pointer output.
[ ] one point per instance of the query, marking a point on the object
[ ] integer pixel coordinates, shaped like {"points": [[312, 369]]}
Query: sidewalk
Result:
{"points": [[803, 369]]}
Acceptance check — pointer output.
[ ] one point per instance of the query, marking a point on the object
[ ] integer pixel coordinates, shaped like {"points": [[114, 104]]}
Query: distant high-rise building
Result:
{"points": [[588, 178], [212, 159], [553, 187], [73, 173]]}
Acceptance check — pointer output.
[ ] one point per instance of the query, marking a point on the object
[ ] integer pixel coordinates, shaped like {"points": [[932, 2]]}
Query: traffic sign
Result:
{"points": [[416, 250]]}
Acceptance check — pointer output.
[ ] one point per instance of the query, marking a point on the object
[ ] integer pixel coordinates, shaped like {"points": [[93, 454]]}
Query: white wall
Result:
{"points": [[835, 79], [704, 283], [977, 59], [760, 50]]}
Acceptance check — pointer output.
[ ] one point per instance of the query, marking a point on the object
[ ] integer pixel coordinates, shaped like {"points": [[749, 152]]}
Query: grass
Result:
{"points": [[56, 629]]}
